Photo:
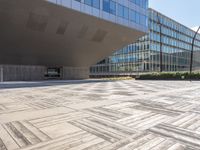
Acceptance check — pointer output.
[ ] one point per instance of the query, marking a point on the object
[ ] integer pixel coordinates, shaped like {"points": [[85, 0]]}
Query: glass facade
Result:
{"points": [[165, 35], [130, 13]]}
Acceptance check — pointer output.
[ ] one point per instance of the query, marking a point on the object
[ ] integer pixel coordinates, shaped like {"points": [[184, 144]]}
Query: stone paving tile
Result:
{"points": [[100, 115]]}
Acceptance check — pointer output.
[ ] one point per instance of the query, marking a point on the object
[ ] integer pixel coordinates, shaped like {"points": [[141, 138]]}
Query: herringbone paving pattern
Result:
{"points": [[100, 115]]}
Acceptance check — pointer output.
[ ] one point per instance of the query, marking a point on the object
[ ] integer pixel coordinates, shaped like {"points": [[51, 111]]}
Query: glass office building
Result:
{"points": [[166, 39], [130, 13]]}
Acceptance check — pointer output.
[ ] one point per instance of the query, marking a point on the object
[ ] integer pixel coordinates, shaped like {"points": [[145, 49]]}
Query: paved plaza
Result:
{"points": [[100, 115]]}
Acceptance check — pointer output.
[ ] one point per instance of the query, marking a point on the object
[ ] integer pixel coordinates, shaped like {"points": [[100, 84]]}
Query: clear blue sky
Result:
{"points": [[186, 12]]}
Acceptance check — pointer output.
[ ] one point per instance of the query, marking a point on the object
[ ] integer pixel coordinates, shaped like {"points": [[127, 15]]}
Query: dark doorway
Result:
{"points": [[54, 73]]}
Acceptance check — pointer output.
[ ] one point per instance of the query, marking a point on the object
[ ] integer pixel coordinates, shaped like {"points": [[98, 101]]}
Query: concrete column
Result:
{"points": [[1, 73]]}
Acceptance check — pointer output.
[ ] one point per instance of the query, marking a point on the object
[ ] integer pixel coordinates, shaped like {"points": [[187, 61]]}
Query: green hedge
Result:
{"points": [[170, 76]]}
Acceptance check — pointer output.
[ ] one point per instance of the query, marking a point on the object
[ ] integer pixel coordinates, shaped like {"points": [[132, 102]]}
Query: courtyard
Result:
{"points": [[100, 115]]}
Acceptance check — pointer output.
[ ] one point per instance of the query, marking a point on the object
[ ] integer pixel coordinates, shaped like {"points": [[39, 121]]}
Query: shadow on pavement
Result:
{"points": [[27, 84]]}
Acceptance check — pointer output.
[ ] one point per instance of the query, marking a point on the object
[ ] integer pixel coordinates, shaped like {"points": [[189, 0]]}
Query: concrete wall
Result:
{"points": [[71, 73], [36, 73], [23, 73]]}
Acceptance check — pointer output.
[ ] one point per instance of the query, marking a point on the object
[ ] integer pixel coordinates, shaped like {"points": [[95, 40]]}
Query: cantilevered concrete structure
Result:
{"points": [[67, 34]]}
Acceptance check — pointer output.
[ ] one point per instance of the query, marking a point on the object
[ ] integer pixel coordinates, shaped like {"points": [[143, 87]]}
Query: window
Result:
{"points": [[142, 20], [112, 7], [132, 16], [123, 11], [106, 6], [137, 18], [109, 6], [140, 3], [93, 3], [120, 11], [96, 3], [126, 15], [88, 2]]}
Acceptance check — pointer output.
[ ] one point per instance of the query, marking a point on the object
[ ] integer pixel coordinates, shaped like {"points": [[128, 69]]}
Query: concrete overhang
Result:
{"points": [[37, 32]]}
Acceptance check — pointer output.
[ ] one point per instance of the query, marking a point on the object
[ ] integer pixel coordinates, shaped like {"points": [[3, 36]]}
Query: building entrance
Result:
{"points": [[54, 73]]}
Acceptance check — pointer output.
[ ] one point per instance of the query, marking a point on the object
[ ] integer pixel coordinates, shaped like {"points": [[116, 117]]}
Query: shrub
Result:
{"points": [[170, 76]]}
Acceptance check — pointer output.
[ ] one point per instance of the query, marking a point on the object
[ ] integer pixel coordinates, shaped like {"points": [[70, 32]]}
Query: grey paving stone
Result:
{"points": [[100, 115]]}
